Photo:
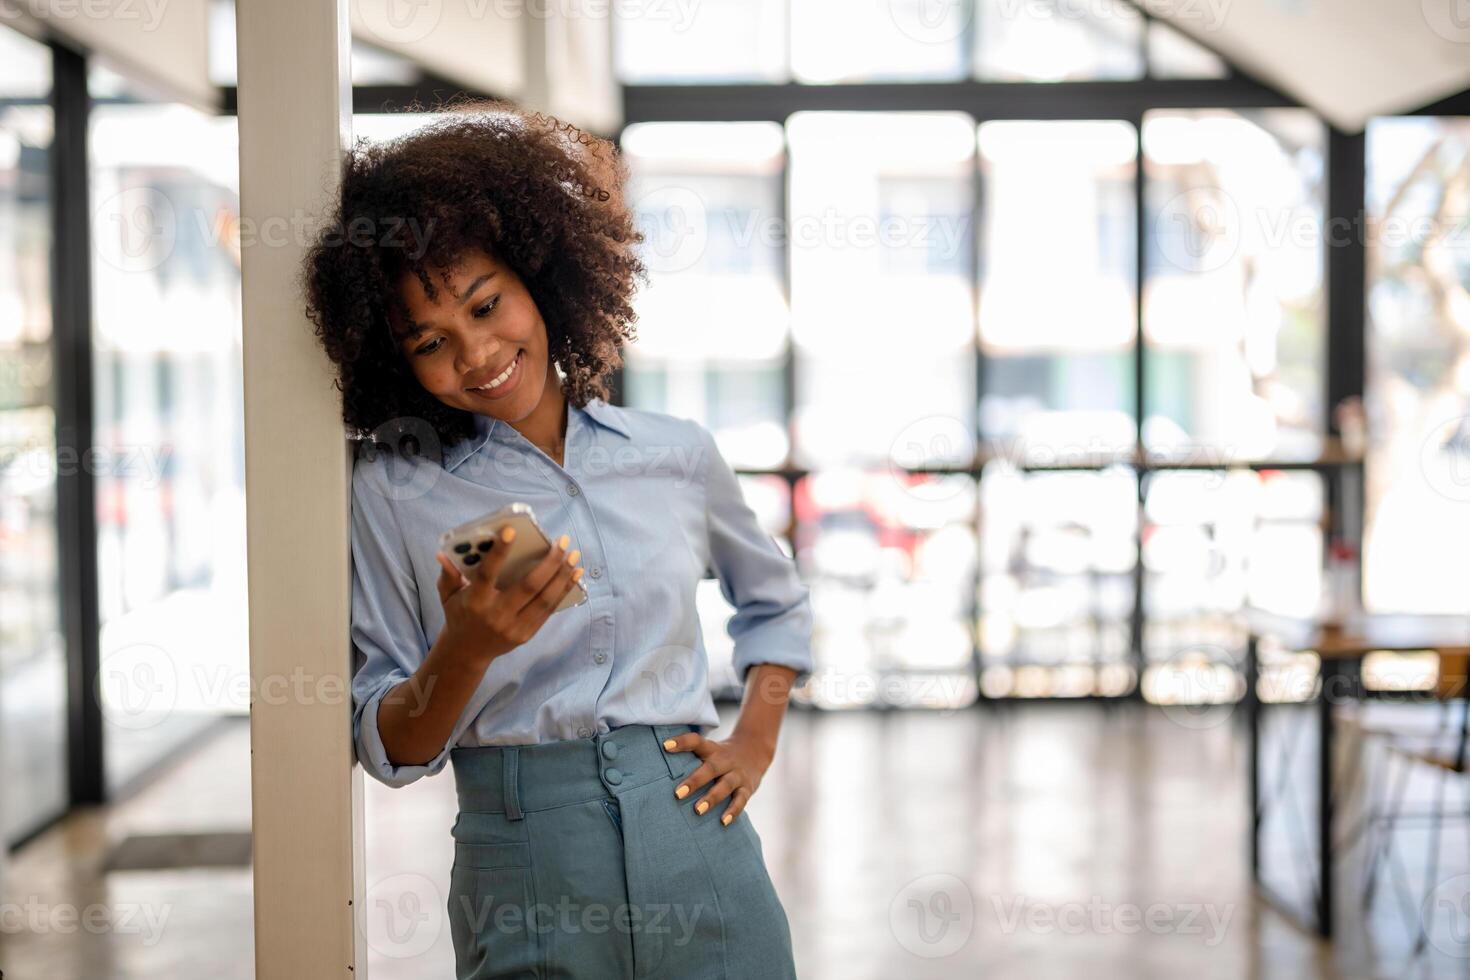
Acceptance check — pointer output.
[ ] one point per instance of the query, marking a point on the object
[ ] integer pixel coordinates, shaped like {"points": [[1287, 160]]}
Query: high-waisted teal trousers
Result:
{"points": [[573, 859]]}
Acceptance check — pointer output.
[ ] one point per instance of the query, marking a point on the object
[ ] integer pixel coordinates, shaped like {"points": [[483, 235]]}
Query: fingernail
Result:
{"points": [[573, 556], [681, 792], [669, 744], [577, 575], [701, 806], [727, 818], [563, 541], [508, 535]]}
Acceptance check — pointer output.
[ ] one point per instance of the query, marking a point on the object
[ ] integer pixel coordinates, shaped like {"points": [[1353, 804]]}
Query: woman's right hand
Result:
{"points": [[488, 621]]}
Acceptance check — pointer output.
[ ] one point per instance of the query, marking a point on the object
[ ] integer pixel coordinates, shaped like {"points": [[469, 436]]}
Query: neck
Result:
{"points": [[546, 426]]}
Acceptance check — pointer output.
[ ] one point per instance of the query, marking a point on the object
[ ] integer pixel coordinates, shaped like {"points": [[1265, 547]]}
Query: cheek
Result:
{"points": [[433, 376]]}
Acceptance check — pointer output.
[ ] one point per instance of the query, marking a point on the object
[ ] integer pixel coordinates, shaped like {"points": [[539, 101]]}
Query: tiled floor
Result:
{"points": [[1031, 841]]}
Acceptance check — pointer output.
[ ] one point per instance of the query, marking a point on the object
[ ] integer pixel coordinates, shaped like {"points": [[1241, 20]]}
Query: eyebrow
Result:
{"points": [[415, 328]]}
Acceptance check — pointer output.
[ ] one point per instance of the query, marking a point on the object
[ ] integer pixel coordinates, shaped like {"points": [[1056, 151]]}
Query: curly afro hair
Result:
{"points": [[541, 196]]}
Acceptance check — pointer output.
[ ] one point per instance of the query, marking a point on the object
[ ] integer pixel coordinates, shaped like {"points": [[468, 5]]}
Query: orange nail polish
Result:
{"points": [[508, 535], [562, 541], [669, 744], [681, 792], [701, 806], [726, 819]]}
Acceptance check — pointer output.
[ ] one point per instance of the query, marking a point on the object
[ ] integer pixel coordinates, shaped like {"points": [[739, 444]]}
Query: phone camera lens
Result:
{"points": [[462, 548], [471, 559], [484, 545]]}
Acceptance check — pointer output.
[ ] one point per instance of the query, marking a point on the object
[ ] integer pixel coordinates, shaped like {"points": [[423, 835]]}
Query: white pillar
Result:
{"points": [[295, 120]]}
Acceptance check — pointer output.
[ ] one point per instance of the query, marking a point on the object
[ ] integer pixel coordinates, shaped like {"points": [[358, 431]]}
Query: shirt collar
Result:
{"points": [[486, 427]]}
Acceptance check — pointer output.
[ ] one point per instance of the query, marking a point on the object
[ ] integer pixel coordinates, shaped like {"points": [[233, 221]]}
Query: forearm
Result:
{"points": [[416, 718], [767, 692]]}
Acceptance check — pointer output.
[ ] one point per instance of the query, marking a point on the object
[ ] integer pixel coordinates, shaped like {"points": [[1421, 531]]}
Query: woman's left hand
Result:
{"points": [[735, 765]]}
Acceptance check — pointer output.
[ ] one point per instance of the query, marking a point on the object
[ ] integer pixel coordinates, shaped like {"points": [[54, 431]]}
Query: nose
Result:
{"points": [[482, 357]]}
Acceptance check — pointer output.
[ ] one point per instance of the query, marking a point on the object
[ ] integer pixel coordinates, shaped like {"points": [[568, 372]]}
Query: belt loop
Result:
{"points": [[509, 767], [661, 732]]}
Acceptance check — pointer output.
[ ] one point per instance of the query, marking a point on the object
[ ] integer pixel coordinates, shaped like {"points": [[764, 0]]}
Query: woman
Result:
{"points": [[473, 290]]}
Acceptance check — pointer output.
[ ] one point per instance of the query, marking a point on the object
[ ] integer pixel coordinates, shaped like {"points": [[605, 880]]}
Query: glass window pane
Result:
{"points": [[891, 564], [169, 416], [712, 323], [1056, 589], [1214, 542], [712, 41], [33, 694], [1233, 310], [1058, 40], [881, 294], [1058, 206], [1418, 365], [892, 40], [1172, 55]]}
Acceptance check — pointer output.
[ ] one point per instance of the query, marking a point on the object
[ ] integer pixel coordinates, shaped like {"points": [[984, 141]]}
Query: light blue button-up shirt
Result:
{"points": [[652, 505]]}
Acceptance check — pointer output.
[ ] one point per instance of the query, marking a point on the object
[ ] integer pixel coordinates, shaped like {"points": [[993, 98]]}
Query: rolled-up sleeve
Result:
{"points": [[387, 635], [772, 622]]}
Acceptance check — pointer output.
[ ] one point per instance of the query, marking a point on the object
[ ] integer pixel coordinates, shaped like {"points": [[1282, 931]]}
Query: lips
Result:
{"points": [[506, 386]]}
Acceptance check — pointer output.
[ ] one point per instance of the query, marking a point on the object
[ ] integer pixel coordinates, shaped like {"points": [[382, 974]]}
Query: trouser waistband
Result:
{"points": [[517, 779]]}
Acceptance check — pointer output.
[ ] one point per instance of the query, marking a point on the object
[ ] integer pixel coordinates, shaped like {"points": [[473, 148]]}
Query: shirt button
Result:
{"points": [[584, 733], [596, 571], [614, 776], [600, 657], [572, 489], [609, 750]]}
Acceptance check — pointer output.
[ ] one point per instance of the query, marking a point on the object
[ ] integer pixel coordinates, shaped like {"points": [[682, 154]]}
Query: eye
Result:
{"points": [[430, 348], [485, 308]]}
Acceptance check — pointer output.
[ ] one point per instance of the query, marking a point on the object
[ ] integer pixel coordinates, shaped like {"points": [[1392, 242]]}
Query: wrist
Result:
{"points": [[760, 743], [454, 654]]}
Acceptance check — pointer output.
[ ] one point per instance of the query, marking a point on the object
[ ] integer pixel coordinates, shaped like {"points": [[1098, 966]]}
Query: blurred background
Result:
{"points": [[1086, 356]]}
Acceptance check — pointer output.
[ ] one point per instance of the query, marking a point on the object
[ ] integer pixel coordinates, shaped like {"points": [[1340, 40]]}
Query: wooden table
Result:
{"points": [[1341, 653]]}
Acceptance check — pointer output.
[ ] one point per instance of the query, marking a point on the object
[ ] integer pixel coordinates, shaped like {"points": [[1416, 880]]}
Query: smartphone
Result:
{"points": [[469, 544]]}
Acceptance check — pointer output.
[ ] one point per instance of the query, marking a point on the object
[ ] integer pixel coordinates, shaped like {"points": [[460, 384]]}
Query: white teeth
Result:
{"points": [[502, 379]]}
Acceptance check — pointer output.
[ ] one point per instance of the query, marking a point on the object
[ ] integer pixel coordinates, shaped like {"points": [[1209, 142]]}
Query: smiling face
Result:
{"points": [[479, 344]]}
